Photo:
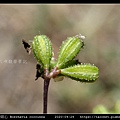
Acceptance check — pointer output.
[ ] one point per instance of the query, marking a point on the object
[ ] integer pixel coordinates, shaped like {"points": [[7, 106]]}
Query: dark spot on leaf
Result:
{"points": [[38, 72], [26, 46], [77, 62]]}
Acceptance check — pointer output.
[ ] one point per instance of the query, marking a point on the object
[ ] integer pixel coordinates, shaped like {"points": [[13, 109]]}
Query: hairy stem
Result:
{"points": [[45, 94]]}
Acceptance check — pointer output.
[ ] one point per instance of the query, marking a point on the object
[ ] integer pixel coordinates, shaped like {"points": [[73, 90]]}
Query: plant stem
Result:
{"points": [[45, 94]]}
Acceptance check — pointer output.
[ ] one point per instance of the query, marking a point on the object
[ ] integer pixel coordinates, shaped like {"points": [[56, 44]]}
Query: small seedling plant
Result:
{"points": [[66, 65]]}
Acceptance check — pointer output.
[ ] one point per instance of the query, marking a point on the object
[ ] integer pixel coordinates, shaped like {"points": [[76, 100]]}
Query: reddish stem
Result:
{"points": [[45, 94]]}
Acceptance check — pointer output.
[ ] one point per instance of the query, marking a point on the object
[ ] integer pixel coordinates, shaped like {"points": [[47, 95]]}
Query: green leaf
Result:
{"points": [[42, 50], [71, 63], [52, 63], [100, 109], [83, 72], [68, 51], [58, 78]]}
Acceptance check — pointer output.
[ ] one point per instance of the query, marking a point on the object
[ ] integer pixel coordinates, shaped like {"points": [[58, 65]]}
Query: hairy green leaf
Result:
{"points": [[42, 50], [68, 51], [83, 72]]}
